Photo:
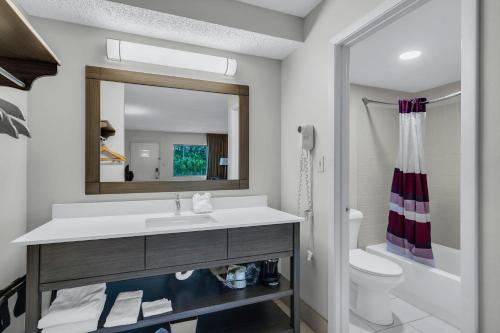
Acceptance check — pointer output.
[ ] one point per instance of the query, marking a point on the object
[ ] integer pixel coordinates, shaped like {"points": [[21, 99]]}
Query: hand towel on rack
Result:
{"points": [[4, 316], [20, 306], [156, 307], [75, 305], [125, 310], [80, 327]]}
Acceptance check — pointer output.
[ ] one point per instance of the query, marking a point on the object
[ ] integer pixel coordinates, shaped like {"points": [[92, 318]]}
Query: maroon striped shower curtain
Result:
{"points": [[409, 229]]}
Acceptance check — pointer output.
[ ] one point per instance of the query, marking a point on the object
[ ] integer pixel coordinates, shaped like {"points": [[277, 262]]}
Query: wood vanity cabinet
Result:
{"points": [[64, 265], [78, 260], [260, 240], [185, 248]]}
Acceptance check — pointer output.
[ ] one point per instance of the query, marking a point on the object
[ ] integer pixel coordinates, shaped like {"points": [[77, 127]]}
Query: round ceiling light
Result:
{"points": [[410, 55]]}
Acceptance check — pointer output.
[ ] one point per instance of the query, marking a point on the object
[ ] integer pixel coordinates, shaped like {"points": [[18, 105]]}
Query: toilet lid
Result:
{"points": [[373, 264]]}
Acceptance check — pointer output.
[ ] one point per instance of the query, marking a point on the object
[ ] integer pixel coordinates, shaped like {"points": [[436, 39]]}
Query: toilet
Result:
{"points": [[371, 278]]}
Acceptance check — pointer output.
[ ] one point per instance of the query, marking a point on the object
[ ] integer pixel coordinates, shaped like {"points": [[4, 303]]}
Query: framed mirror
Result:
{"points": [[157, 133]]}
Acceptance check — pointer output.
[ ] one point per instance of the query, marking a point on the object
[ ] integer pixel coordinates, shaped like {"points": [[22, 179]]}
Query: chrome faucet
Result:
{"points": [[177, 204]]}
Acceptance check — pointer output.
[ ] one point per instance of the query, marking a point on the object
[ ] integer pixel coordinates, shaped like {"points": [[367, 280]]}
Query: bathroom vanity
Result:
{"points": [[80, 247]]}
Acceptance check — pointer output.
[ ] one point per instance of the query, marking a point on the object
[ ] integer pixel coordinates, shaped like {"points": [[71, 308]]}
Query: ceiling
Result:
{"points": [[298, 8], [175, 110], [434, 29], [275, 37]]}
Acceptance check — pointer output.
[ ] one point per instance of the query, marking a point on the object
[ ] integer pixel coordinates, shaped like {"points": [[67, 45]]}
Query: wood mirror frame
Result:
{"points": [[93, 184]]}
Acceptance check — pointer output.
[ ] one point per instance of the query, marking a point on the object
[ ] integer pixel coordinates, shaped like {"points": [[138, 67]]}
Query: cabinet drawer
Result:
{"points": [[244, 242], [76, 260], [185, 248]]}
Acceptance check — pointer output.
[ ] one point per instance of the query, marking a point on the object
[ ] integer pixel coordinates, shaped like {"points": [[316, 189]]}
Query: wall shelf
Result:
{"points": [[23, 53], [200, 295], [107, 129]]}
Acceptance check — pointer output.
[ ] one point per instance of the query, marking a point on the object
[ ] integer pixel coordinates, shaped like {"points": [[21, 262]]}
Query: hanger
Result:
{"points": [[12, 110], [10, 124], [114, 155], [7, 126], [21, 128]]}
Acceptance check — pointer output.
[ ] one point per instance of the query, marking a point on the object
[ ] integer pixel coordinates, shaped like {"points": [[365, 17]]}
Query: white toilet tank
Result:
{"points": [[355, 219]]}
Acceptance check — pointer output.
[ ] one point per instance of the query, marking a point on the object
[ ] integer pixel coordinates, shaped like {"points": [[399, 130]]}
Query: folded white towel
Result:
{"points": [[82, 292], [129, 294], [156, 307], [81, 327], [73, 306], [125, 311], [202, 203]]}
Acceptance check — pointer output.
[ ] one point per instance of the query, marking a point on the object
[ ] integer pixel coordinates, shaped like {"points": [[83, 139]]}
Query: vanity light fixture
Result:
{"points": [[119, 50], [409, 55]]}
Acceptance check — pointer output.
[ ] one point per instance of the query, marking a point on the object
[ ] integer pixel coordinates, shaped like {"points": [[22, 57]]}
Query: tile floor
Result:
{"points": [[303, 326], [407, 319], [190, 327]]}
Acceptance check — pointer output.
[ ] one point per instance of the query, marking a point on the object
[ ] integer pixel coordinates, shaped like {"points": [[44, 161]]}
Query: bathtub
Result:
{"points": [[435, 290]]}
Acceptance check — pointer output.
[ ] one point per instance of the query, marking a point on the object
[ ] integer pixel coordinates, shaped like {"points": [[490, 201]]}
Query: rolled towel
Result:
{"points": [[202, 203], [126, 309], [73, 306], [156, 307]]}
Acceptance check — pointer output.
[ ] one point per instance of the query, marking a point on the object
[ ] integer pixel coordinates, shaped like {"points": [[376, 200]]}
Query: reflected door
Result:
{"points": [[145, 161]]}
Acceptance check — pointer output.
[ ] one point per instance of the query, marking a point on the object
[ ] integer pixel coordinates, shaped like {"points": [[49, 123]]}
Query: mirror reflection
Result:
{"points": [[153, 133]]}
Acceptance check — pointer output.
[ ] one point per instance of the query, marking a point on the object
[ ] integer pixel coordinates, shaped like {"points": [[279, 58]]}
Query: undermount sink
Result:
{"points": [[179, 220]]}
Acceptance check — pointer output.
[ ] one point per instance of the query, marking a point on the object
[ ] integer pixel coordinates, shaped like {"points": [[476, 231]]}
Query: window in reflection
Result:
{"points": [[190, 160]]}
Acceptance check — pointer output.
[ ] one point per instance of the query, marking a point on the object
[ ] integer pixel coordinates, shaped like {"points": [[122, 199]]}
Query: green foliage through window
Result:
{"points": [[190, 160]]}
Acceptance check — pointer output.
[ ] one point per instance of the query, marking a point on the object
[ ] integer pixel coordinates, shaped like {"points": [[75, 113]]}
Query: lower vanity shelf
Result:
{"points": [[264, 317], [203, 296]]}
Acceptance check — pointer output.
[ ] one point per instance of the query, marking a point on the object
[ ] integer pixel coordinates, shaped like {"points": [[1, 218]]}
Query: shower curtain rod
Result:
{"points": [[367, 101]]}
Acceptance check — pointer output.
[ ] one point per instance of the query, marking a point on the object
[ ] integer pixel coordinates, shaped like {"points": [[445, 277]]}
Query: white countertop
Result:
{"points": [[60, 230]]}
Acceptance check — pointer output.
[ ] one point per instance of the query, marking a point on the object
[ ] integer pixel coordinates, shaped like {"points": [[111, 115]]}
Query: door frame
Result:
{"points": [[339, 94]]}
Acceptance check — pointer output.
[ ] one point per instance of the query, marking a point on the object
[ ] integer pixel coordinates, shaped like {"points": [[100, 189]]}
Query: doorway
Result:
{"points": [[145, 161], [340, 55]]}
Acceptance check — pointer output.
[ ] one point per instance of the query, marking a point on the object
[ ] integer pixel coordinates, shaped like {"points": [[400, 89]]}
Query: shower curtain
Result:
{"points": [[409, 229]]}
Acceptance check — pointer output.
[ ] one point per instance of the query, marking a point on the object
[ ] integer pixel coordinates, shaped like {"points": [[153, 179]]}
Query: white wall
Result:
{"points": [[58, 117], [489, 163], [166, 141], [12, 203], [304, 89], [112, 110]]}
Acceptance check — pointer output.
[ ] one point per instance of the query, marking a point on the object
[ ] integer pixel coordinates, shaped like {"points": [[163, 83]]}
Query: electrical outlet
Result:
{"points": [[321, 164]]}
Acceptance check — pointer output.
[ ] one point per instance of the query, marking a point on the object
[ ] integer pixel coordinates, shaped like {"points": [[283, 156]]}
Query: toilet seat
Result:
{"points": [[372, 264]]}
